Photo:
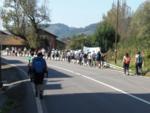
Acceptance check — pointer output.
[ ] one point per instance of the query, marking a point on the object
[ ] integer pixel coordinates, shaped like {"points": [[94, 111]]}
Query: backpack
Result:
{"points": [[38, 65], [127, 60], [139, 59], [98, 56]]}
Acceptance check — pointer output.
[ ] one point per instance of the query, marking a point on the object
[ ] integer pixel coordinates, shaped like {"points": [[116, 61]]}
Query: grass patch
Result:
{"points": [[8, 106]]}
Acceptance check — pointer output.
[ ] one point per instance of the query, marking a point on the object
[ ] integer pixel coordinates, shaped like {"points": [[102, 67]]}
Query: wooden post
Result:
{"points": [[1, 84], [116, 33]]}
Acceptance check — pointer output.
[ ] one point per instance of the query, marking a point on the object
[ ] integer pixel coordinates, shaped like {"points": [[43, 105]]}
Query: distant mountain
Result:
{"points": [[63, 31]]}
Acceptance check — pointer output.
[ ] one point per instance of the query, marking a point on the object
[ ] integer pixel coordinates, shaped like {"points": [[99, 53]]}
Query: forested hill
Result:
{"points": [[63, 31]]}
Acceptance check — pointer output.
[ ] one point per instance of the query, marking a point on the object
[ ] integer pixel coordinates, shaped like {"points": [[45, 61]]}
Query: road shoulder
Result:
{"points": [[19, 97]]}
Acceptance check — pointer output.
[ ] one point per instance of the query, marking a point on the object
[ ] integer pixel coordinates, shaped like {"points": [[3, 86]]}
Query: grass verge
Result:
{"points": [[8, 106]]}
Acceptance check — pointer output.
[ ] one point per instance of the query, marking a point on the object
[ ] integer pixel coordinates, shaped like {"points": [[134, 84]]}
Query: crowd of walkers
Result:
{"points": [[92, 59]]}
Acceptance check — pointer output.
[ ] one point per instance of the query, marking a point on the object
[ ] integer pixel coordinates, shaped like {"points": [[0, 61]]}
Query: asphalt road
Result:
{"points": [[71, 88]]}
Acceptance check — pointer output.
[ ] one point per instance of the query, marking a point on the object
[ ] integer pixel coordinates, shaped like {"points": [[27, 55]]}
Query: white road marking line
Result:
{"points": [[105, 84], [15, 83], [38, 102]]}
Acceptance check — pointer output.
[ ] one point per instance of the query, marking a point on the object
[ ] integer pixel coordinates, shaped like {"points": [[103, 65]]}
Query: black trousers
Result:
{"points": [[138, 67], [126, 68], [38, 78]]}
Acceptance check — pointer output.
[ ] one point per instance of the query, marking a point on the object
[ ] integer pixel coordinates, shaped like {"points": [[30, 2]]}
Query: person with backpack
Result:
{"points": [[126, 63], [39, 68], [138, 63]]}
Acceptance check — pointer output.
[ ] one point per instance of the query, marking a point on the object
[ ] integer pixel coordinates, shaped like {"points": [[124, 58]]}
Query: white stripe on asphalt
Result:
{"points": [[15, 83], [104, 84], [38, 102]]}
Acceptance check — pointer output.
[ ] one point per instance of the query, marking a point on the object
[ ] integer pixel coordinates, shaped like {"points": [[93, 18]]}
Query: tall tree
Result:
{"points": [[124, 17], [140, 25], [79, 41], [105, 36], [14, 19], [23, 17]]}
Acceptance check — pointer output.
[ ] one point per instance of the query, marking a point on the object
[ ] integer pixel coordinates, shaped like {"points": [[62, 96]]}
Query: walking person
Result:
{"points": [[126, 63], [30, 58], [94, 59], [39, 68], [89, 59], [49, 54], [102, 60], [138, 63], [98, 59]]}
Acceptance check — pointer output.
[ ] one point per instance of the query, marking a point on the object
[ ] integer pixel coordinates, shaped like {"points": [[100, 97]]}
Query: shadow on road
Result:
{"points": [[52, 86], [95, 103], [56, 74], [16, 80], [12, 61], [52, 73]]}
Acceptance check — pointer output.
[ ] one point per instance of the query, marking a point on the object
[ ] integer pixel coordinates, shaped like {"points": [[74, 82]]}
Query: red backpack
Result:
{"points": [[127, 60]]}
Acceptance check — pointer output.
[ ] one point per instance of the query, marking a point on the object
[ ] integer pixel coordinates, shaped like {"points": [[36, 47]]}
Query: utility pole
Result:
{"points": [[1, 84], [116, 33]]}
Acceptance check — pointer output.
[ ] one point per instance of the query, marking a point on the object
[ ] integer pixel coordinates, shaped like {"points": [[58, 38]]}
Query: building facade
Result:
{"points": [[48, 39], [8, 40]]}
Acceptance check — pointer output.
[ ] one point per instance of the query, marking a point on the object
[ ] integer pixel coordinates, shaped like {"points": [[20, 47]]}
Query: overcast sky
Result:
{"points": [[80, 13]]}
